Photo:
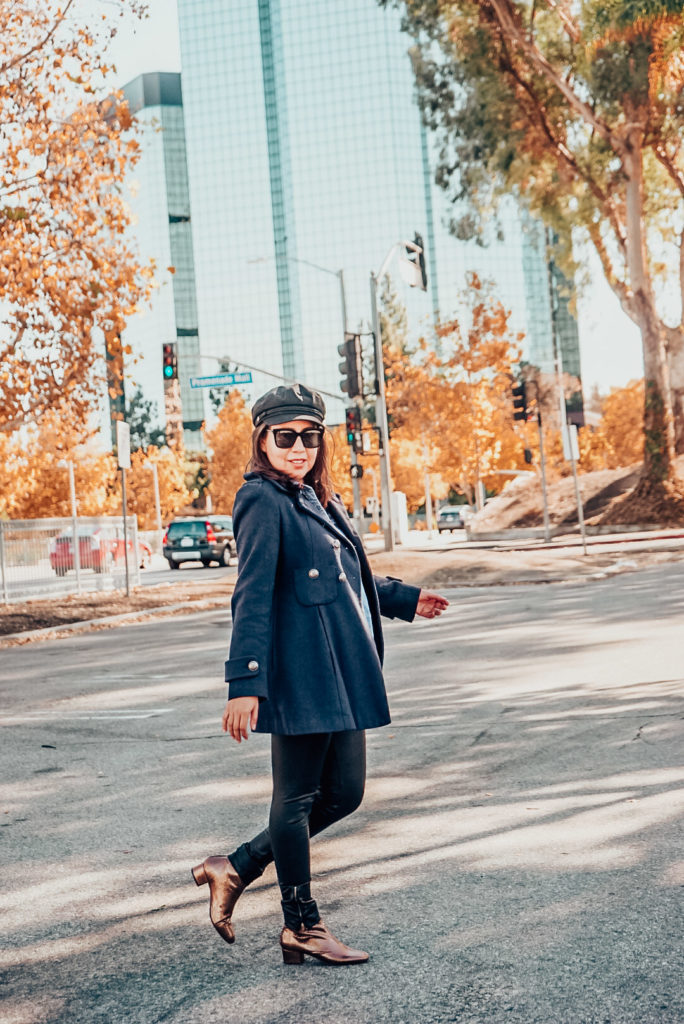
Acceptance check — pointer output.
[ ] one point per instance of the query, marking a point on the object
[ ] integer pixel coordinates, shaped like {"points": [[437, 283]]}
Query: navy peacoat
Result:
{"points": [[300, 640]]}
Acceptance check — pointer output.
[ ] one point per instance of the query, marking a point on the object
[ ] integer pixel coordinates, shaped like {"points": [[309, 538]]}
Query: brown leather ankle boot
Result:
{"points": [[225, 888], [317, 941]]}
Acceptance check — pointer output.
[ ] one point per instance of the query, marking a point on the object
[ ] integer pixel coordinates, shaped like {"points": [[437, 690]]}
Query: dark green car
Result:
{"points": [[204, 539]]}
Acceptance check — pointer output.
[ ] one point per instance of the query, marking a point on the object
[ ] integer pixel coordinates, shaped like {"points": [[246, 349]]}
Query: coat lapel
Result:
{"points": [[333, 527], [338, 513]]}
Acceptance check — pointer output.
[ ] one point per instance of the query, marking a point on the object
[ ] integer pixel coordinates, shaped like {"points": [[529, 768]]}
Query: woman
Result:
{"points": [[305, 661]]}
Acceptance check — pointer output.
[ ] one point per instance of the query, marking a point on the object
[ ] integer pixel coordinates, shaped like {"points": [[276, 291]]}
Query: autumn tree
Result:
{"points": [[618, 439], [577, 110], [66, 269], [36, 477], [173, 492], [229, 442], [35, 472], [457, 402]]}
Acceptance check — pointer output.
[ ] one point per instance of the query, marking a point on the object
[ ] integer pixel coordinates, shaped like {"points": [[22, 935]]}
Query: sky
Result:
{"points": [[610, 343]]}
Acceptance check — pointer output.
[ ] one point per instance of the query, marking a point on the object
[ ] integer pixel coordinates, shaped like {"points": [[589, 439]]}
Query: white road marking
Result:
{"points": [[80, 716]]}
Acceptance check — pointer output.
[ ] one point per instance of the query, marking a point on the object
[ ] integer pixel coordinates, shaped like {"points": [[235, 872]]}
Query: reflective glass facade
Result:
{"points": [[160, 201], [307, 156]]}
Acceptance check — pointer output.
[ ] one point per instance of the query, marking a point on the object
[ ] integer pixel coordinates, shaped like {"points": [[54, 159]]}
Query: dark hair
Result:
{"points": [[318, 476]]}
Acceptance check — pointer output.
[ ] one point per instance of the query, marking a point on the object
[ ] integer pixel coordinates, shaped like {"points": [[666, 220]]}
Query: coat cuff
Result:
{"points": [[246, 677]]}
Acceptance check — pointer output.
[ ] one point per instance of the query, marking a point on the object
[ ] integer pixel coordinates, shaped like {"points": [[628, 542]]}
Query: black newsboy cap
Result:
{"points": [[288, 402]]}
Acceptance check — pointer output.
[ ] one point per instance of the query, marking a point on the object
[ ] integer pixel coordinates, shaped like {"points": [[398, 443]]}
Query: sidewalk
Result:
{"points": [[450, 560]]}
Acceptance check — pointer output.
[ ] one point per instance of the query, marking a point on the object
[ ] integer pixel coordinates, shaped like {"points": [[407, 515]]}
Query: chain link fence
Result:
{"points": [[50, 557]]}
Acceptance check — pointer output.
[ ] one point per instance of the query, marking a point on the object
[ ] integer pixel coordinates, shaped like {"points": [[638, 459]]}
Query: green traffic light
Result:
{"points": [[168, 371]]}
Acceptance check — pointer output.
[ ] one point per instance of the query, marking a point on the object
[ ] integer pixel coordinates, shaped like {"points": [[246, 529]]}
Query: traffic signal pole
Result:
{"points": [[542, 465], [356, 488], [381, 421]]}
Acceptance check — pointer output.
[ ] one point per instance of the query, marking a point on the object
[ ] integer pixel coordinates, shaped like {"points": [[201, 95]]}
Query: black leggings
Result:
{"points": [[317, 779]]}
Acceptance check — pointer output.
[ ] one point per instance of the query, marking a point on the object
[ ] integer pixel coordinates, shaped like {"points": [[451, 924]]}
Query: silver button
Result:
{"points": [[336, 544], [342, 577], [314, 574], [253, 666]]}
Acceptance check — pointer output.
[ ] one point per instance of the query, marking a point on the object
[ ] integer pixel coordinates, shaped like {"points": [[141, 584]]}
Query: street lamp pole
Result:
{"points": [[380, 401], [381, 417], [69, 466]]}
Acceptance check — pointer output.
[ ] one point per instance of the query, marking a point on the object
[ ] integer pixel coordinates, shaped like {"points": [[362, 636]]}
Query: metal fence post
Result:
{"points": [[3, 565]]}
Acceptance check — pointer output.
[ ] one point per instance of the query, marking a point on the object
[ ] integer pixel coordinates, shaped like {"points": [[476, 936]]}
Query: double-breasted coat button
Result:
{"points": [[253, 666], [314, 574], [342, 577]]}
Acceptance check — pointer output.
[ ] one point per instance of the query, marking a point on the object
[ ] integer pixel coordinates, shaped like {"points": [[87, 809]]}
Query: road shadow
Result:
{"points": [[517, 856]]}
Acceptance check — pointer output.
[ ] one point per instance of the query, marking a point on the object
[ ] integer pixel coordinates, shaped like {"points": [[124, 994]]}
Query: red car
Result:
{"points": [[96, 551]]}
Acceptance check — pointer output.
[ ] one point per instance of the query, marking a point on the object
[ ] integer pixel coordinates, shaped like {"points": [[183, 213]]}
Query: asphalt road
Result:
{"points": [[519, 856]]}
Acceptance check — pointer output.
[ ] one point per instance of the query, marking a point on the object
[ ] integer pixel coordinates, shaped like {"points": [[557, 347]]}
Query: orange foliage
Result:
{"points": [[451, 409], [36, 476], [619, 439], [65, 269], [173, 493], [230, 443]]}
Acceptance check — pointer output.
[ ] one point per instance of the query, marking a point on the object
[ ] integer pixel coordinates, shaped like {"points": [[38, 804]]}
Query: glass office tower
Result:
{"points": [[160, 202], [307, 157]]}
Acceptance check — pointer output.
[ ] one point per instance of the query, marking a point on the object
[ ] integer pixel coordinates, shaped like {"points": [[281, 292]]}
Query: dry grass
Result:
{"points": [[520, 503], [55, 612]]}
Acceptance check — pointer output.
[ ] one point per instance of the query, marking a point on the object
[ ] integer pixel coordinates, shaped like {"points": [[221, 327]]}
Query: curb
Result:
{"points": [[83, 625], [594, 534]]}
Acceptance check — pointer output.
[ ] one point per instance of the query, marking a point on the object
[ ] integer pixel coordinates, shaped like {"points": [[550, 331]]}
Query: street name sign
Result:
{"points": [[221, 380]]}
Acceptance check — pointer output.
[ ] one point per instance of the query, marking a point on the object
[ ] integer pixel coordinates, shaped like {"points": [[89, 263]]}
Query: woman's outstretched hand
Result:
{"points": [[430, 604], [238, 714]]}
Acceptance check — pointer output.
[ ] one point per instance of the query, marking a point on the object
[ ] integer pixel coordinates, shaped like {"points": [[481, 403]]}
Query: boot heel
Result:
{"points": [[292, 956], [200, 875]]}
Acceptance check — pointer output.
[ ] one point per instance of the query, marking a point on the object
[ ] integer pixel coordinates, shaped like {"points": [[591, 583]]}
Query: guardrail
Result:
{"points": [[51, 557]]}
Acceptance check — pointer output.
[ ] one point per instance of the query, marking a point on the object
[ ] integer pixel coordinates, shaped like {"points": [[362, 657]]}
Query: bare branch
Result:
{"points": [[537, 112], [20, 58], [619, 287], [669, 166], [568, 24], [511, 27]]}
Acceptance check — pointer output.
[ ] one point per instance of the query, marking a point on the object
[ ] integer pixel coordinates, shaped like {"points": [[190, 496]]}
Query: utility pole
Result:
{"points": [[381, 422], [123, 458], [356, 489], [570, 448], [542, 463]]}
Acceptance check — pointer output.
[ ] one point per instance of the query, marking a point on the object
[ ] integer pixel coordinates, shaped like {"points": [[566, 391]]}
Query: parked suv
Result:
{"points": [[449, 518], [206, 540]]}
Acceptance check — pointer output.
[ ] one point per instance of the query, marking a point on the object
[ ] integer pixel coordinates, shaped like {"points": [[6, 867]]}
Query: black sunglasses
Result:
{"points": [[284, 437]]}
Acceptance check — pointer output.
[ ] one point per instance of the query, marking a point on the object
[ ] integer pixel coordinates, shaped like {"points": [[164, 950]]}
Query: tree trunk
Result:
{"points": [[675, 362], [659, 495], [659, 441], [659, 438]]}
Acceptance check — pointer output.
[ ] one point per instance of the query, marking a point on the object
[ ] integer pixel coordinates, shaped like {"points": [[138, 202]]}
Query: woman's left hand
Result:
{"points": [[430, 604]]}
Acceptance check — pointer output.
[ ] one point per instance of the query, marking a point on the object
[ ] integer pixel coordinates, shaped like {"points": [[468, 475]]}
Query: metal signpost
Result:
{"points": [[74, 527], [571, 454], [123, 458]]}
